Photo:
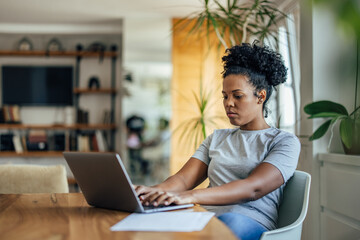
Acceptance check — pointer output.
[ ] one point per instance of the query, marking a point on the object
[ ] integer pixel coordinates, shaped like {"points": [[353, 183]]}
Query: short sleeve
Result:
{"points": [[202, 153], [284, 155]]}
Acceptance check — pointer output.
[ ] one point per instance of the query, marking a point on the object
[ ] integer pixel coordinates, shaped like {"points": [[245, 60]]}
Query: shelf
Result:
{"points": [[58, 53], [32, 154], [59, 126], [95, 91], [75, 129]]}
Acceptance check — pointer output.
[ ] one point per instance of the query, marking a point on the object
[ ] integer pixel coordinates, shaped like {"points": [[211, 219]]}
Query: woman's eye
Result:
{"points": [[225, 97], [238, 96]]}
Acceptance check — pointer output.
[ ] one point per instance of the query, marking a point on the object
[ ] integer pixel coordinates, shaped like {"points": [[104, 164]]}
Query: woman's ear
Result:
{"points": [[261, 96]]}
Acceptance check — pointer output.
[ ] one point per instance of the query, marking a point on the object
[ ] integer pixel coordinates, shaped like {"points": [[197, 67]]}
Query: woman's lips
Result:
{"points": [[231, 114]]}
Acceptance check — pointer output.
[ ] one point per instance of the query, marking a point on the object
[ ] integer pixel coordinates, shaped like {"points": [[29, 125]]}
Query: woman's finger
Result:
{"points": [[151, 199], [161, 199]]}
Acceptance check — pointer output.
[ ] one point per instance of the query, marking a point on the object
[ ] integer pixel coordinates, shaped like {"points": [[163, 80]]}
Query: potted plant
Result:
{"points": [[349, 123]]}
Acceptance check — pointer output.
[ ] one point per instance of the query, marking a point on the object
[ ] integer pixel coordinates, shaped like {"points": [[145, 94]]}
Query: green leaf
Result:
{"points": [[325, 106], [326, 115], [320, 131], [347, 131]]}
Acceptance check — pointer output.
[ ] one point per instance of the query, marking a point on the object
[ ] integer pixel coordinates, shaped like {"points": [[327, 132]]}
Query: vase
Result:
{"points": [[354, 148]]}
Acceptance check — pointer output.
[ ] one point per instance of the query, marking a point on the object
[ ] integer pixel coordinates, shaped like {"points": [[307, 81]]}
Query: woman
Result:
{"points": [[247, 166]]}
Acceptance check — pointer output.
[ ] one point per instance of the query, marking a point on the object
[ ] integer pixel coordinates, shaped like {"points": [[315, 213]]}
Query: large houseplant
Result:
{"points": [[235, 22], [232, 23]]}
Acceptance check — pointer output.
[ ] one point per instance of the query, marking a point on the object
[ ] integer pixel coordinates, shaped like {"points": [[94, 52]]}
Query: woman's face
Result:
{"points": [[242, 107]]}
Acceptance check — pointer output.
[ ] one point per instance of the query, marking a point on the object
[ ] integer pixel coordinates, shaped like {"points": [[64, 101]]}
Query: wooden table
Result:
{"points": [[68, 216]]}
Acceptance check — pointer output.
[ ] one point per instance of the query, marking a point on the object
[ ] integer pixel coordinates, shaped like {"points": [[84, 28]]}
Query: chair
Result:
{"points": [[293, 209], [33, 179]]}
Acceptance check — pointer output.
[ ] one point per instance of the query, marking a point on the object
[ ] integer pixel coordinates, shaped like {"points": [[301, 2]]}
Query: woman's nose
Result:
{"points": [[229, 102]]}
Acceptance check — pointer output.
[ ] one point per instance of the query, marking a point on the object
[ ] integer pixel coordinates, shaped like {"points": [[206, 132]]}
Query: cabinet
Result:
{"points": [[339, 196], [76, 129]]}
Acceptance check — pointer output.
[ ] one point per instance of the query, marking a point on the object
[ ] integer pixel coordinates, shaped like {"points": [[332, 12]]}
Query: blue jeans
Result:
{"points": [[242, 226]]}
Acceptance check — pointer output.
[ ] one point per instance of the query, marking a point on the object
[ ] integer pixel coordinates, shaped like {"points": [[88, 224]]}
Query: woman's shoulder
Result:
{"points": [[285, 137]]}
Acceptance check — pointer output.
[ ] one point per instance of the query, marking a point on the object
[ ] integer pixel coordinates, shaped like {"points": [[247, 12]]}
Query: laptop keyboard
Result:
{"points": [[156, 207]]}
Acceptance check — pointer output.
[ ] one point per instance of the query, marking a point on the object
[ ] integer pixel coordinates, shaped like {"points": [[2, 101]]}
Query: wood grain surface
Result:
{"points": [[68, 216]]}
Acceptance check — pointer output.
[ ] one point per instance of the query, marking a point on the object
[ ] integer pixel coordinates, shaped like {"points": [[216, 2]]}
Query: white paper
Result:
{"points": [[164, 222]]}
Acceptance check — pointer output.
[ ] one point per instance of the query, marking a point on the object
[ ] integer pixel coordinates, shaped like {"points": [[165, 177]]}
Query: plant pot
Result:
{"points": [[354, 147]]}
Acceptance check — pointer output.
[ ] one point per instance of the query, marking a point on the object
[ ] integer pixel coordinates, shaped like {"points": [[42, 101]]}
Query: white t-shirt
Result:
{"points": [[231, 154]]}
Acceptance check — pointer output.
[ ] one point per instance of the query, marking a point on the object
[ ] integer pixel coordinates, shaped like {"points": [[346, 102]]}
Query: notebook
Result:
{"points": [[105, 183]]}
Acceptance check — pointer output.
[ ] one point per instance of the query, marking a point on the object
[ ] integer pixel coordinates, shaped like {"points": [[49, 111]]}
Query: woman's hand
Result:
{"points": [[155, 196], [143, 190]]}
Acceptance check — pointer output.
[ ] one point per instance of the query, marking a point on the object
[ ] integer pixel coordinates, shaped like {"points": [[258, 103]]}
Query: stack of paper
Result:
{"points": [[164, 222]]}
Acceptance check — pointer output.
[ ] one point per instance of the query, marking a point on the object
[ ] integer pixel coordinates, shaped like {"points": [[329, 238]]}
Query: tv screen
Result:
{"points": [[37, 85]]}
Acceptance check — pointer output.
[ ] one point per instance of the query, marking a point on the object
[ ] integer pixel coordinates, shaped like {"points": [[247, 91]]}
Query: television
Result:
{"points": [[37, 85]]}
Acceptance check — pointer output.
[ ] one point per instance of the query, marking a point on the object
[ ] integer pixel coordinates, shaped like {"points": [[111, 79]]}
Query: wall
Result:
{"points": [[326, 57]]}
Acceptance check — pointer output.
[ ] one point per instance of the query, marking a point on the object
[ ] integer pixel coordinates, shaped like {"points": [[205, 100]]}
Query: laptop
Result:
{"points": [[105, 183]]}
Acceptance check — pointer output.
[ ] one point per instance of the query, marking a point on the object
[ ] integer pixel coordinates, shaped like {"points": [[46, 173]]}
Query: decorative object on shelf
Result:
{"points": [[79, 47], [128, 76], [98, 47], [25, 45], [94, 82], [82, 116], [113, 48], [54, 45], [107, 119], [37, 140], [69, 115]]}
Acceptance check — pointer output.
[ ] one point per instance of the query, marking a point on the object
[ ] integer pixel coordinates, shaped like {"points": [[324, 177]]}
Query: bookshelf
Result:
{"points": [[77, 129], [32, 154], [56, 53], [59, 126]]}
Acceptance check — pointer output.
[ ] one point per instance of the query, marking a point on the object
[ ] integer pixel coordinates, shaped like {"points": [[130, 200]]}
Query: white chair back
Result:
{"points": [[293, 209]]}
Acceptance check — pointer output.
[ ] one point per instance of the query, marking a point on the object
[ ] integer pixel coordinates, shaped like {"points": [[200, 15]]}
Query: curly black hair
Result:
{"points": [[264, 67]]}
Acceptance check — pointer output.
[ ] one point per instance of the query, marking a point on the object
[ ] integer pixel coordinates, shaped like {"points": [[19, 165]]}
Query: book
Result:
{"points": [[16, 113], [23, 141], [2, 117], [101, 141], [83, 143], [94, 143], [17, 144]]}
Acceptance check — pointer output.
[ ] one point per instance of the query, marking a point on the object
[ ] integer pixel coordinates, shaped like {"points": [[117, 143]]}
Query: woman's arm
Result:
{"points": [[264, 179], [188, 177]]}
